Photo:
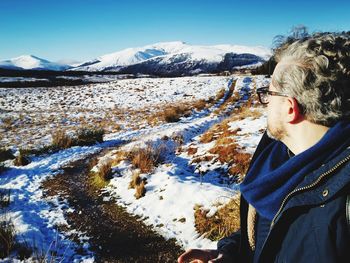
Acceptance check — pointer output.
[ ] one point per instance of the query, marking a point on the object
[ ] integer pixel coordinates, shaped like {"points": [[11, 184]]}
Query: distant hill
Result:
{"points": [[160, 59], [30, 62]]}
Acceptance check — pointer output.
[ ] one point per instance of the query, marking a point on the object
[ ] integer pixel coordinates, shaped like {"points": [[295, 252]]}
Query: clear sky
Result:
{"points": [[84, 29]]}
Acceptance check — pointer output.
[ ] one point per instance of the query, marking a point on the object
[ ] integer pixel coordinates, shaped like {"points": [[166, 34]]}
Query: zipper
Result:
{"points": [[309, 186], [301, 189]]}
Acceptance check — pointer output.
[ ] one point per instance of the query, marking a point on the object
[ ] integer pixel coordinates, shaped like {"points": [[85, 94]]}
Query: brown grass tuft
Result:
{"points": [[240, 165], [192, 150], [138, 184], [89, 136], [207, 137], [220, 94], [147, 158], [200, 104], [140, 190], [223, 223], [21, 159], [135, 179], [105, 171], [61, 140]]}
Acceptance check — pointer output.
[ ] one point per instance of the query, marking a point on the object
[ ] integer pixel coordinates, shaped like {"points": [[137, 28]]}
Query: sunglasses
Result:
{"points": [[264, 92]]}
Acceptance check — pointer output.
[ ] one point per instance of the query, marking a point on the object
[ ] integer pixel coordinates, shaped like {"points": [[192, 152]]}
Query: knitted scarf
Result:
{"points": [[273, 174]]}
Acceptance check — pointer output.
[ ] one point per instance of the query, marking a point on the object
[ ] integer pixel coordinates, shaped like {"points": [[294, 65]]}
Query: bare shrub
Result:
{"points": [[147, 158], [89, 136], [171, 114], [7, 238], [61, 140], [138, 184], [135, 179], [200, 104], [105, 171], [21, 159], [140, 190], [223, 223], [100, 178]]}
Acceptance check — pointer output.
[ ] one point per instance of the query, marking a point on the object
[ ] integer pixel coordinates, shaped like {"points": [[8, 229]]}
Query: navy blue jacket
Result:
{"points": [[310, 225]]}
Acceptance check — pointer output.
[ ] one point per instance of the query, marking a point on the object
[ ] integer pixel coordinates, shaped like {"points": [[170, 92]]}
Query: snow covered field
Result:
{"points": [[29, 115], [173, 188]]}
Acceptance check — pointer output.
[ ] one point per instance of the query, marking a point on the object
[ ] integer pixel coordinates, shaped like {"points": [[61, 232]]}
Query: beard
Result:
{"points": [[276, 130]]}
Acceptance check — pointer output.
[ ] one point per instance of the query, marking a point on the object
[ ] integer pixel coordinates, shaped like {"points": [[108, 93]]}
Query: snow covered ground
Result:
{"points": [[173, 189], [29, 115]]}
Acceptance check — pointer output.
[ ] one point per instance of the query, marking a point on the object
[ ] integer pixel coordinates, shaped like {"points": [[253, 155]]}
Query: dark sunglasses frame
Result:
{"points": [[265, 91]]}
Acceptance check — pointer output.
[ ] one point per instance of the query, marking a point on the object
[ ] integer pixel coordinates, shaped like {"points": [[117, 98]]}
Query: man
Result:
{"points": [[293, 198]]}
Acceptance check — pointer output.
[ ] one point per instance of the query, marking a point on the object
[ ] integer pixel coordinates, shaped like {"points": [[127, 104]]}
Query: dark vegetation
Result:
{"points": [[50, 78], [279, 41]]}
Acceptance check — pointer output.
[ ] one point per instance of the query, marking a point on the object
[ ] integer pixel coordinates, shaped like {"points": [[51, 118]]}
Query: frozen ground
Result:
{"points": [[173, 189], [29, 115]]}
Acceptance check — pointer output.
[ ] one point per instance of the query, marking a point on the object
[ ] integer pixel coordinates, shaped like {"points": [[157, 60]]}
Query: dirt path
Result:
{"points": [[116, 236]]}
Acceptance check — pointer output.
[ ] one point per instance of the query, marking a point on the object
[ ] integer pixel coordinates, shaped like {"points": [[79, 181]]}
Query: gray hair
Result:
{"points": [[317, 75]]}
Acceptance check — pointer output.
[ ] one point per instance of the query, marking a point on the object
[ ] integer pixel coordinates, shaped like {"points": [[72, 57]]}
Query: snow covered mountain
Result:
{"points": [[31, 62], [162, 59], [174, 58]]}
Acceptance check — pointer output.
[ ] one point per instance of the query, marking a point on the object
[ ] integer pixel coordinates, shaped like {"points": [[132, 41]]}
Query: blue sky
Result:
{"points": [[84, 29]]}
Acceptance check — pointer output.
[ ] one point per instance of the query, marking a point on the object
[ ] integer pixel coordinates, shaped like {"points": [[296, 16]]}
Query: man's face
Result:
{"points": [[275, 122]]}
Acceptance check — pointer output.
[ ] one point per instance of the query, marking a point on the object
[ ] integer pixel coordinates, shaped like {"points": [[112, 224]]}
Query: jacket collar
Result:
{"points": [[322, 184]]}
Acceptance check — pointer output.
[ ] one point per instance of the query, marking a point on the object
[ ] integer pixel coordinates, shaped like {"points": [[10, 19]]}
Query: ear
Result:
{"points": [[294, 114]]}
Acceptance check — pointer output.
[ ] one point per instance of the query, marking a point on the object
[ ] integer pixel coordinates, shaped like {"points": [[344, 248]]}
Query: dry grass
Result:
{"points": [[240, 165], [105, 171], [178, 137], [89, 136], [225, 153], [207, 137], [140, 190], [173, 113], [21, 159], [101, 178], [200, 104], [192, 150], [135, 179], [61, 140], [146, 159], [7, 238], [223, 223], [245, 112], [138, 184], [220, 94], [204, 158]]}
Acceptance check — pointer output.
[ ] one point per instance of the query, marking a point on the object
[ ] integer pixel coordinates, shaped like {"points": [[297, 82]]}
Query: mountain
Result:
{"points": [[162, 59], [177, 58], [31, 62], [130, 56]]}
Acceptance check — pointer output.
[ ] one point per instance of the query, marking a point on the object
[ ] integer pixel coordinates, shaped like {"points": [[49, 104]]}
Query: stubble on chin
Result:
{"points": [[276, 133]]}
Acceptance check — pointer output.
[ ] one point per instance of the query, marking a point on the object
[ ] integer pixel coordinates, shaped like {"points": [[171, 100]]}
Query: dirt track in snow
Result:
{"points": [[116, 236]]}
